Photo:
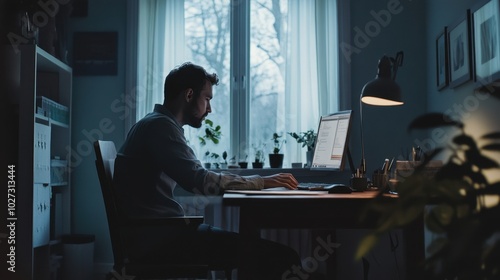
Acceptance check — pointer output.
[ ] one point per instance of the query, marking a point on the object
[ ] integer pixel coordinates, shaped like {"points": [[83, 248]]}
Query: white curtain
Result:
{"points": [[311, 70], [327, 51], [160, 48]]}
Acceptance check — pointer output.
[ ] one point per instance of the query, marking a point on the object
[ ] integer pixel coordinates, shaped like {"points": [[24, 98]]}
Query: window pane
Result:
{"points": [[268, 36], [207, 35]]}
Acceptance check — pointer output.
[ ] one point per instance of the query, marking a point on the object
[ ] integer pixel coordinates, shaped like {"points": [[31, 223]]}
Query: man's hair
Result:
{"points": [[187, 75]]}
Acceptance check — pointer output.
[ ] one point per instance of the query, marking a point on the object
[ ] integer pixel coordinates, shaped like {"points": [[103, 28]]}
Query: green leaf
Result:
{"points": [[428, 156], [444, 213], [466, 140], [491, 189], [493, 135], [451, 171], [475, 158], [436, 245], [366, 245], [432, 120], [491, 147]]}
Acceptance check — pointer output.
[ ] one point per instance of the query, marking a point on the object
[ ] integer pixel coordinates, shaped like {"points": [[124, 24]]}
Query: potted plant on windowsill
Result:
{"points": [[307, 139], [243, 162], [259, 158], [276, 158], [212, 134], [223, 164]]}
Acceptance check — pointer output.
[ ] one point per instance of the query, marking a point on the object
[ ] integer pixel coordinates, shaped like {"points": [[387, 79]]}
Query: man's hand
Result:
{"points": [[280, 180]]}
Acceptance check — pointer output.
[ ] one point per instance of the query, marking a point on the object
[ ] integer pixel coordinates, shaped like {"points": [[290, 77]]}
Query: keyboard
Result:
{"points": [[331, 188], [312, 186]]}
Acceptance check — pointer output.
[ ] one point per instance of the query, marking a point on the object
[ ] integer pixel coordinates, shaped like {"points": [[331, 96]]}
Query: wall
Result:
{"points": [[478, 112], [414, 30], [94, 119], [378, 28]]}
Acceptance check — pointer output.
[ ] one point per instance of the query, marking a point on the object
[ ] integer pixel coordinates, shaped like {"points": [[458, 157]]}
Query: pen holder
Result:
{"points": [[359, 184], [380, 180], [393, 186]]}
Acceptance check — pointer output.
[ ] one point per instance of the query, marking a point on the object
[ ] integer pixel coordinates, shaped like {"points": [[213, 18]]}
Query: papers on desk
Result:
{"points": [[276, 191]]}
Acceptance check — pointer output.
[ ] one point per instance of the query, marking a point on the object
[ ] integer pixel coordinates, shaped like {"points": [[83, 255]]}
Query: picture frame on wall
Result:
{"points": [[95, 53], [460, 51], [442, 59], [485, 22]]}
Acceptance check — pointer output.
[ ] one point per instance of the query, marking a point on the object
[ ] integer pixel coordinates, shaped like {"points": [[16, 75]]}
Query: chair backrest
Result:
{"points": [[105, 152]]}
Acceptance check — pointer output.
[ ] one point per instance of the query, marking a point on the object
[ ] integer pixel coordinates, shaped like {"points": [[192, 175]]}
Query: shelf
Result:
{"points": [[55, 242], [63, 184], [38, 76], [47, 62], [59, 123], [51, 121]]}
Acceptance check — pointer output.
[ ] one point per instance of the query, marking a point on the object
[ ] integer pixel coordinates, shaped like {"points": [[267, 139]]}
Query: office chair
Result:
{"points": [[105, 152]]}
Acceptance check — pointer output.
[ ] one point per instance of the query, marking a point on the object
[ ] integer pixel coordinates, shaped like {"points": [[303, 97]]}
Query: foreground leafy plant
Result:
{"points": [[453, 203]]}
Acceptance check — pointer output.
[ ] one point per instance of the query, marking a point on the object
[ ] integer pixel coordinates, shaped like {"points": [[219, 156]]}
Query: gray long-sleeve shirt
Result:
{"points": [[155, 158]]}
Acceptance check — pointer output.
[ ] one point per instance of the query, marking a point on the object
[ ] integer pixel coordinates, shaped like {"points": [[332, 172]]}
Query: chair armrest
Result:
{"points": [[188, 221]]}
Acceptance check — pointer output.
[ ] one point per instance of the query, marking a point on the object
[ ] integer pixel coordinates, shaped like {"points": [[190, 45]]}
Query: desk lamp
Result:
{"points": [[381, 91]]}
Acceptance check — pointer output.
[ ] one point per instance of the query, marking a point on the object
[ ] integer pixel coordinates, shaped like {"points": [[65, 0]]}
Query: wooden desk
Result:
{"points": [[323, 211]]}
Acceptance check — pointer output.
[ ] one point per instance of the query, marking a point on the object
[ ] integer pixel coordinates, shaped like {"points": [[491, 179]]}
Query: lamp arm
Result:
{"points": [[363, 160]]}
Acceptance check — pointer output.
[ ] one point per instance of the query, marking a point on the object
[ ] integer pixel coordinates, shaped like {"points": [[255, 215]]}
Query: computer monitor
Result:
{"points": [[331, 141]]}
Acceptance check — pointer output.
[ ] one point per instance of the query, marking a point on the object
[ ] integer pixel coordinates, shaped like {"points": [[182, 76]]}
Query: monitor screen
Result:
{"points": [[331, 141]]}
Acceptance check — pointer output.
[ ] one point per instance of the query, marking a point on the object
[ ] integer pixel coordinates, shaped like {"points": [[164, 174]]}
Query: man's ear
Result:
{"points": [[189, 94]]}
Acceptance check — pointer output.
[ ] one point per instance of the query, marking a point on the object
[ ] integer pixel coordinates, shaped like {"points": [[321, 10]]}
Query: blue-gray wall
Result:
{"points": [[94, 119], [478, 112], [390, 26], [378, 28]]}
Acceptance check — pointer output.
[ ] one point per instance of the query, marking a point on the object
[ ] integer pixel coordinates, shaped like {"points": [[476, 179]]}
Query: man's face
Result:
{"points": [[199, 106]]}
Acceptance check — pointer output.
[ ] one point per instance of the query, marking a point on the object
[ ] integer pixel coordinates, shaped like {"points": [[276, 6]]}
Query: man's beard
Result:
{"points": [[195, 121]]}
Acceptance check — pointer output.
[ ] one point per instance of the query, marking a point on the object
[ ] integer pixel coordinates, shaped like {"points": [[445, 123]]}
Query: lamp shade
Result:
{"points": [[383, 90]]}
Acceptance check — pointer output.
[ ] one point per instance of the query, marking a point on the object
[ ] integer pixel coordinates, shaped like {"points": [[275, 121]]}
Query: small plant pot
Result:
{"points": [[276, 160], [243, 164], [257, 164], [309, 158]]}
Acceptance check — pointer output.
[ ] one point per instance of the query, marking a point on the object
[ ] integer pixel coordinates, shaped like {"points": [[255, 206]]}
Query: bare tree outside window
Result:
{"points": [[207, 33], [268, 52]]}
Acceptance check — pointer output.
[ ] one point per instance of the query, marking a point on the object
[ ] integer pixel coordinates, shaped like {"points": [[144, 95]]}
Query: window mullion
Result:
{"points": [[240, 36]]}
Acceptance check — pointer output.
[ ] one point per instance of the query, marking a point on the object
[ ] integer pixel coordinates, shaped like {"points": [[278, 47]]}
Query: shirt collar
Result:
{"points": [[164, 111]]}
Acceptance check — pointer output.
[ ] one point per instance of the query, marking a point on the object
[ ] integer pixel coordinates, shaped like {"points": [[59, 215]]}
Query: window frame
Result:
{"points": [[239, 69], [239, 73]]}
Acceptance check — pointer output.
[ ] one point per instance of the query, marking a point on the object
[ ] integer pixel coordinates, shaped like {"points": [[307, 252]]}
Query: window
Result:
{"points": [[276, 60]]}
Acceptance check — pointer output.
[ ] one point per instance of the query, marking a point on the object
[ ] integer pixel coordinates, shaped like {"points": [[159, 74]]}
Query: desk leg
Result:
{"points": [[415, 248], [247, 226]]}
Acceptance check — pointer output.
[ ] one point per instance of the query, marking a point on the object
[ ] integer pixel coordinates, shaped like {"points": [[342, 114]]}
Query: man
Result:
{"points": [[155, 158]]}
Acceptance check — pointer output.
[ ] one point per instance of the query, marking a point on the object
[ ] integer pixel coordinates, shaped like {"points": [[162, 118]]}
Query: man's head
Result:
{"points": [[189, 87]]}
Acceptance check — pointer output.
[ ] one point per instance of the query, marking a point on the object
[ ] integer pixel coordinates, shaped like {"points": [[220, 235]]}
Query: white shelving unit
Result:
{"points": [[43, 190]]}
